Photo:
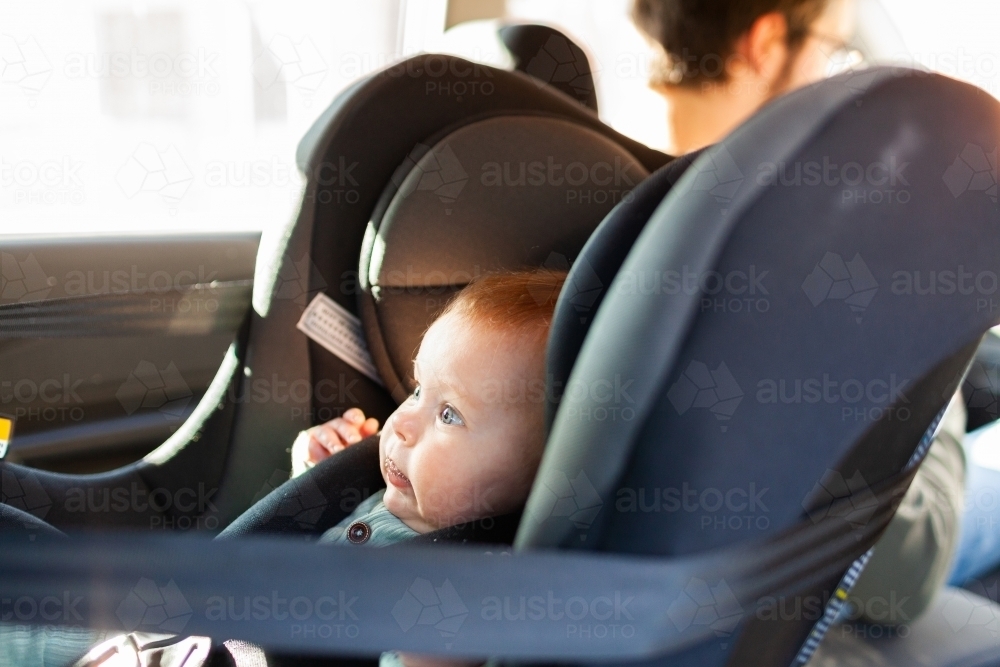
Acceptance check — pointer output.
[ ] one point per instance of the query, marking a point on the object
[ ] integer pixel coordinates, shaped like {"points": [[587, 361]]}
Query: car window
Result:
{"points": [[178, 116], [184, 116]]}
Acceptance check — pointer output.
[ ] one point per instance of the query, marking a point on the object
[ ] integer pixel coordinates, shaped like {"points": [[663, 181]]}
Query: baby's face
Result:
{"points": [[465, 445]]}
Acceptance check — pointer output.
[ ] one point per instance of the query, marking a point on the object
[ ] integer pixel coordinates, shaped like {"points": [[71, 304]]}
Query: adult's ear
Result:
{"points": [[763, 49]]}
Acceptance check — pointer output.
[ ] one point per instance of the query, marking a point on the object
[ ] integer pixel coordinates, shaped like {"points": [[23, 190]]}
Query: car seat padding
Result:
{"points": [[504, 193], [324, 495], [235, 445], [15, 521], [595, 268]]}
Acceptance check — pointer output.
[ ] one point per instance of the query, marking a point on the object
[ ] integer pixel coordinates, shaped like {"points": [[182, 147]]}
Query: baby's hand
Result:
{"points": [[315, 444]]}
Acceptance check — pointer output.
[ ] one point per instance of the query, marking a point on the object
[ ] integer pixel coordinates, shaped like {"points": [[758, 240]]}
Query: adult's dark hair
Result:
{"points": [[698, 36]]}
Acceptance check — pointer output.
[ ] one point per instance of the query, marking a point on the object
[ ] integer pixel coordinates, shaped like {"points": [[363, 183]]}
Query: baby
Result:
{"points": [[466, 443]]}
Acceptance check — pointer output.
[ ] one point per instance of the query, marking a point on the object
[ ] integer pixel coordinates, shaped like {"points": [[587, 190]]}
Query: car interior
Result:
{"points": [[670, 378]]}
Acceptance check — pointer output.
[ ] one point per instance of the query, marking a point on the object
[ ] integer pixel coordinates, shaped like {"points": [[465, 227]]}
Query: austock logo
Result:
{"points": [[303, 504], [700, 604], [24, 279], [149, 387], [735, 508], [440, 607], [152, 170], [699, 387], [24, 491], [722, 179], [974, 608], [561, 61], [45, 181], [983, 381], [439, 172], [868, 399], [833, 279], [297, 64], [298, 280], [582, 288], [559, 496], [23, 63], [152, 608], [974, 170], [832, 487]]}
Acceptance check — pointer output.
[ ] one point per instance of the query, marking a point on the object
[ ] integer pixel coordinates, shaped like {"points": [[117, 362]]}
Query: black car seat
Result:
{"points": [[500, 170], [834, 240]]}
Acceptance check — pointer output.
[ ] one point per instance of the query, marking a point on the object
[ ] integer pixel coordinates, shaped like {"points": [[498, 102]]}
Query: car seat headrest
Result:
{"points": [[506, 192], [551, 57], [548, 56]]}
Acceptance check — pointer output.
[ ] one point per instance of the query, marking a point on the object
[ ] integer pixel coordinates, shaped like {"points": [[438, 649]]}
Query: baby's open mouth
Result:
{"points": [[395, 475]]}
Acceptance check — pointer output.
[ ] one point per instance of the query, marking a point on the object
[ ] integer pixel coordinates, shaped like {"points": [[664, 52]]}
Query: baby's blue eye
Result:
{"points": [[449, 415], [416, 392]]}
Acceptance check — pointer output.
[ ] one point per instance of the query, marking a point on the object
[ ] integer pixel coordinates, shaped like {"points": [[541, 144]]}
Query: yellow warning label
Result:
{"points": [[6, 427]]}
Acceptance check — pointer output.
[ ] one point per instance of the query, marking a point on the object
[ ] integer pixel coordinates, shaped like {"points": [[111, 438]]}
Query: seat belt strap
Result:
{"points": [[451, 601], [839, 598]]}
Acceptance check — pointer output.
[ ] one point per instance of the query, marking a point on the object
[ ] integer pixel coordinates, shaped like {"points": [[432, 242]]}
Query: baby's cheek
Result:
{"points": [[451, 499], [385, 434], [512, 483], [440, 499]]}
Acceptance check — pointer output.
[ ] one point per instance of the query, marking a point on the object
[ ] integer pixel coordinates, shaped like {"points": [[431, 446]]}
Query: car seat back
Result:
{"points": [[765, 343], [598, 262]]}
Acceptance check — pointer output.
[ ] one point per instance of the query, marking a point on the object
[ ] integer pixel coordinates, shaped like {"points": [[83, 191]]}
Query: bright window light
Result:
{"points": [[178, 115], [182, 115]]}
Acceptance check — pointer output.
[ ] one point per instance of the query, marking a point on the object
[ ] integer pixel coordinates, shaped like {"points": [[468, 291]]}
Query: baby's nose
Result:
{"points": [[404, 425]]}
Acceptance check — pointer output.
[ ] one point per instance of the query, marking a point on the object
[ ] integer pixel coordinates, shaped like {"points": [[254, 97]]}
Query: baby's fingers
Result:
{"points": [[348, 433], [370, 427], [326, 436], [316, 451], [354, 415]]}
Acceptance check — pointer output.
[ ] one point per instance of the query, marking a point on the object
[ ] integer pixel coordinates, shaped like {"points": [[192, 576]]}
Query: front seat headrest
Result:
{"points": [[550, 56], [499, 193]]}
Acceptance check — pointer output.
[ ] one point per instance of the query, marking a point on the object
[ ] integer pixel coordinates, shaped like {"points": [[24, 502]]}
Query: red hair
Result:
{"points": [[520, 300]]}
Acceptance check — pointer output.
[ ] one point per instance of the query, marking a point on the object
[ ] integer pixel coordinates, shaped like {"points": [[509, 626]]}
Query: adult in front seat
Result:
{"points": [[719, 62]]}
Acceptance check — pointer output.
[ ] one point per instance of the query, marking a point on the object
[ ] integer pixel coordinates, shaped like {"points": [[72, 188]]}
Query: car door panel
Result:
{"points": [[107, 343]]}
